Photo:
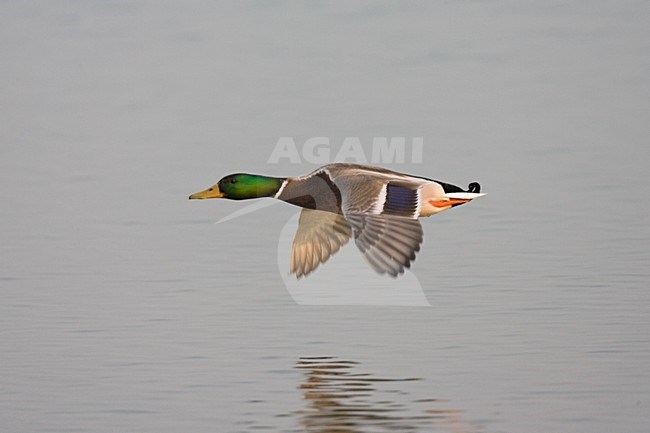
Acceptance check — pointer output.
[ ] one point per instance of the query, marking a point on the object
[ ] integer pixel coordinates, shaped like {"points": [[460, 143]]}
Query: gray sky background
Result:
{"points": [[113, 111]]}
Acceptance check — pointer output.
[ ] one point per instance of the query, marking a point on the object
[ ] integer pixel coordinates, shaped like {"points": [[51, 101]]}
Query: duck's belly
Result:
{"points": [[433, 200]]}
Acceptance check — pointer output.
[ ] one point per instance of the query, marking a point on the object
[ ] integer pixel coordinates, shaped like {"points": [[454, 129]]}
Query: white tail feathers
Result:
{"points": [[464, 195]]}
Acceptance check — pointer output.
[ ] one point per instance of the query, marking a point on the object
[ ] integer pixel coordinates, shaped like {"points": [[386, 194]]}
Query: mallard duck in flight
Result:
{"points": [[379, 207]]}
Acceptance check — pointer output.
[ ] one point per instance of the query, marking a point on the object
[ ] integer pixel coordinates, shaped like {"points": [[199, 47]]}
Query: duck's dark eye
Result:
{"points": [[233, 180]]}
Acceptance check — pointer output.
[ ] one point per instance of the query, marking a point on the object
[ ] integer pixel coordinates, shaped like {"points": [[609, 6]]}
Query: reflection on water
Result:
{"points": [[339, 399]]}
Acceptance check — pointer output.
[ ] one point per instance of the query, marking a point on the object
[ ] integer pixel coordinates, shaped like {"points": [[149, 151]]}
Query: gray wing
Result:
{"points": [[319, 236], [383, 214], [360, 194], [388, 242], [368, 192]]}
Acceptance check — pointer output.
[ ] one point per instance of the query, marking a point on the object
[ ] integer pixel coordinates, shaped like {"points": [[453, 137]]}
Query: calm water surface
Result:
{"points": [[124, 308]]}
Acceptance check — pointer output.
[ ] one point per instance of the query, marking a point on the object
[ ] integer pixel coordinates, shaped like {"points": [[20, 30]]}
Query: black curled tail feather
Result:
{"points": [[474, 187]]}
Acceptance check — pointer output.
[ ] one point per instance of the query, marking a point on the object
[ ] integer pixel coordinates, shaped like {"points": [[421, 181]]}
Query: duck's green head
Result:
{"points": [[242, 186]]}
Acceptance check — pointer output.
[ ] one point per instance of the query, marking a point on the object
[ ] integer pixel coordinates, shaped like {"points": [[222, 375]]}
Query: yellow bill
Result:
{"points": [[212, 192]]}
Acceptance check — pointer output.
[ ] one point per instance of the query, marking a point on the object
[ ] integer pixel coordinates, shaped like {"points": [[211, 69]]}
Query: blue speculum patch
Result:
{"points": [[400, 200]]}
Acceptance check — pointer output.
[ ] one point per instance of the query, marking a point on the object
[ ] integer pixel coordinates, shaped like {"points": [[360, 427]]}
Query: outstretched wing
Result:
{"points": [[388, 242], [382, 210], [319, 236]]}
